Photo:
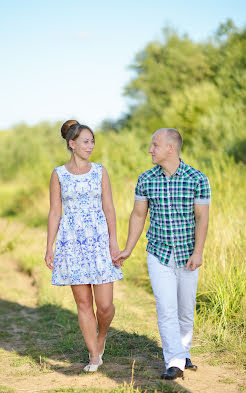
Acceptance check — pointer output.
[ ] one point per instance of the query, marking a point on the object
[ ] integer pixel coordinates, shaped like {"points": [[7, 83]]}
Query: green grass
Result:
{"points": [[125, 388], [6, 389], [227, 380]]}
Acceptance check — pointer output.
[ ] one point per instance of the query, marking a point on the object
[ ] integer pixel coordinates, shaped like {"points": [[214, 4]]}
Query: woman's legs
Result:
{"points": [[86, 317], [105, 311]]}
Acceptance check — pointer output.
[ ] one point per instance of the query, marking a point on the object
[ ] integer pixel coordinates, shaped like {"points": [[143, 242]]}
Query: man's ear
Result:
{"points": [[171, 148]]}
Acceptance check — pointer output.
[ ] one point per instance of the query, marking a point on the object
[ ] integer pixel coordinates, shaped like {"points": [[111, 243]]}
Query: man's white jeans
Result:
{"points": [[175, 293]]}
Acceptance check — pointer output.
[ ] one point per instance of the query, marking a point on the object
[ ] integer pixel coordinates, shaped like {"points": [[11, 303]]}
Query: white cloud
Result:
{"points": [[84, 35]]}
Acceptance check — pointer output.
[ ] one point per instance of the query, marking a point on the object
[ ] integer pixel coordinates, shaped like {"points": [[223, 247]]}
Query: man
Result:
{"points": [[178, 198]]}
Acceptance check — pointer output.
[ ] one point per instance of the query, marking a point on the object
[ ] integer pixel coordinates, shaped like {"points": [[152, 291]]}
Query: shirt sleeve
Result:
{"points": [[203, 192], [140, 191]]}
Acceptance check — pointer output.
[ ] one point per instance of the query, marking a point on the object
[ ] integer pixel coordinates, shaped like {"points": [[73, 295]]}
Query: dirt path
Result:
{"points": [[17, 288], [19, 373]]}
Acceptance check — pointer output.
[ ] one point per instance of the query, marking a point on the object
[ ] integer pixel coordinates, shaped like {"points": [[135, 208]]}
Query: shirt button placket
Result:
{"points": [[170, 214], [170, 209]]}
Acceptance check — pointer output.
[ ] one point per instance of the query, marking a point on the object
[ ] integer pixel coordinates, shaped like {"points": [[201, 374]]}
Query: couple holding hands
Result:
{"points": [[86, 249]]}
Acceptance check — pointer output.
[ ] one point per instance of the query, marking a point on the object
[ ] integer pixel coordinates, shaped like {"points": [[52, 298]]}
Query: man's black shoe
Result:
{"points": [[172, 373], [189, 365]]}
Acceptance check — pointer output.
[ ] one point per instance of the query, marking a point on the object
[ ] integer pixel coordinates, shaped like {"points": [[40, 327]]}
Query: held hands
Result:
{"points": [[117, 256], [194, 262], [49, 257], [120, 258]]}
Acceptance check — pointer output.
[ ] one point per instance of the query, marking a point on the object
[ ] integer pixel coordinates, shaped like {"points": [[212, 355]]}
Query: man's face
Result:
{"points": [[159, 148]]}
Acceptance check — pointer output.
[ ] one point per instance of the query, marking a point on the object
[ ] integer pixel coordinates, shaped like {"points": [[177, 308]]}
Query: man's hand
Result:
{"points": [[136, 225], [194, 262], [119, 260]]}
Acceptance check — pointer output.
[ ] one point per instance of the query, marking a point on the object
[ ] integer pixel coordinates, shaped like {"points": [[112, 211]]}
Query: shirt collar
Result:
{"points": [[158, 170]]}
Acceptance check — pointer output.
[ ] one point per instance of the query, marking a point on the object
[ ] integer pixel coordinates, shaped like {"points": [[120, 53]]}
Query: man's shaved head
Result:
{"points": [[172, 136]]}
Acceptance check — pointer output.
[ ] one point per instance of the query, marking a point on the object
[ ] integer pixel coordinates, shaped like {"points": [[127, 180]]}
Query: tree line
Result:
{"points": [[198, 88]]}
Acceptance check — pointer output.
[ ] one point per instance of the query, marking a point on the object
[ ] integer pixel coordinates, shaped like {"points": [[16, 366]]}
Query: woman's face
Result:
{"points": [[83, 145]]}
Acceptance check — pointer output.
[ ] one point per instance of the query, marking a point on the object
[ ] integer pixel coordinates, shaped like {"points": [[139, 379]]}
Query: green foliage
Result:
{"points": [[26, 147], [198, 88], [189, 107], [229, 65], [167, 67]]}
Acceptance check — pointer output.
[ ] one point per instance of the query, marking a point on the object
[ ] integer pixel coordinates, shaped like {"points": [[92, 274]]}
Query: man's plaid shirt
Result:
{"points": [[171, 205]]}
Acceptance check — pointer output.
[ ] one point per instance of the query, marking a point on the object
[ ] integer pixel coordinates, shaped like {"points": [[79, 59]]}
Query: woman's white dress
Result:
{"points": [[82, 253]]}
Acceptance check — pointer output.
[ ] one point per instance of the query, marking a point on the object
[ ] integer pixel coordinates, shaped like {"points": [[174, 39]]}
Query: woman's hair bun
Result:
{"points": [[65, 127]]}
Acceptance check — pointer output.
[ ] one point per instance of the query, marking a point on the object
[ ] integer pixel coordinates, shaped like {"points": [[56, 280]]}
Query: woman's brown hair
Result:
{"points": [[65, 127]]}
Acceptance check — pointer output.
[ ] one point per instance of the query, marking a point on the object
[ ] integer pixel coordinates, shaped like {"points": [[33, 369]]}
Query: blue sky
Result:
{"points": [[69, 59]]}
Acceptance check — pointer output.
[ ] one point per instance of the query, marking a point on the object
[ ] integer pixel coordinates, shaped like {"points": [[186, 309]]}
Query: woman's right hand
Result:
{"points": [[49, 257]]}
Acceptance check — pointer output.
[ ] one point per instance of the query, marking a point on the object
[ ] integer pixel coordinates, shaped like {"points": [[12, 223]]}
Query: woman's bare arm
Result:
{"points": [[53, 217], [109, 211]]}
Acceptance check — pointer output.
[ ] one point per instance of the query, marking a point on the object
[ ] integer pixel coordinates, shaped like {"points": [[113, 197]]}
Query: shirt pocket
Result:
{"points": [[186, 204], [184, 207], [184, 199]]}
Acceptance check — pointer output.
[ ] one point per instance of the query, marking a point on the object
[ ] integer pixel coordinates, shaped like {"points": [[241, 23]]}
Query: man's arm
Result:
{"points": [[201, 217], [136, 225]]}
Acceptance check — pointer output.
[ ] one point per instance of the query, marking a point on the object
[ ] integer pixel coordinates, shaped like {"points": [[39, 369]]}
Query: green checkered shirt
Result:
{"points": [[171, 205]]}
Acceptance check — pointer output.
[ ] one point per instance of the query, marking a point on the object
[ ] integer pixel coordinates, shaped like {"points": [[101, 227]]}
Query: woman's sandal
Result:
{"points": [[92, 368], [101, 355]]}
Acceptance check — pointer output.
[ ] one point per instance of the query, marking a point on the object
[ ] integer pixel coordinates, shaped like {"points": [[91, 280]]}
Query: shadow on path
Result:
{"points": [[50, 336]]}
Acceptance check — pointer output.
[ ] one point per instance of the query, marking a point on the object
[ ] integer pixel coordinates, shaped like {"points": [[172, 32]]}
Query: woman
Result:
{"points": [[86, 238]]}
